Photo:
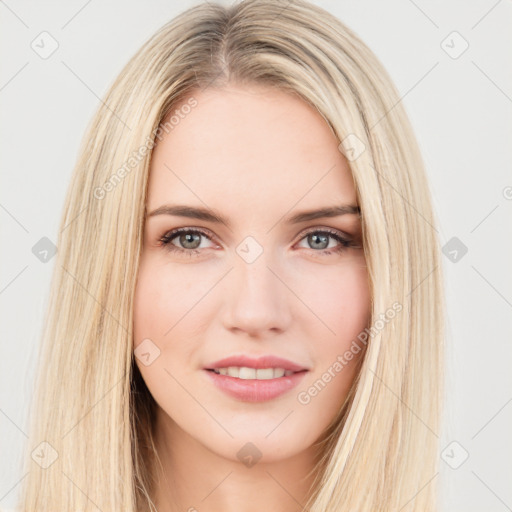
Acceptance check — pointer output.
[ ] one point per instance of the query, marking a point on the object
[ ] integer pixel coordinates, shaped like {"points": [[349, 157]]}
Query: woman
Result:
{"points": [[247, 306]]}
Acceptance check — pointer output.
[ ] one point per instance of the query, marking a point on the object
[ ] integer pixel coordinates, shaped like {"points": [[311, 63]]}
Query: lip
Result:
{"points": [[253, 390], [265, 361]]}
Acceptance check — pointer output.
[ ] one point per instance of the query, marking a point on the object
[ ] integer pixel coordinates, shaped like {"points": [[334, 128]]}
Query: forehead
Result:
{"points": [[256, 146]]}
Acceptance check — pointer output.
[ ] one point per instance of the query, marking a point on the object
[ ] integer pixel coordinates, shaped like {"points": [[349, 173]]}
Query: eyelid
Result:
{"points": [[208, 234], [172, 233], [344, 239], [324, 229]]}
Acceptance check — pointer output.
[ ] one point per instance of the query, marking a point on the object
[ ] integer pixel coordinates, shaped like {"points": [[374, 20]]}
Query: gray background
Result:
{"points": [[459, 105]]}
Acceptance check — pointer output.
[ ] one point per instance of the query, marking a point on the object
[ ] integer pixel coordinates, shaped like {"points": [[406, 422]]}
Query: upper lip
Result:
{"points": [[265, 361]]}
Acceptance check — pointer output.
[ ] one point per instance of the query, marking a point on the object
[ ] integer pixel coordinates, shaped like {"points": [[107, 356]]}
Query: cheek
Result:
{"points": [[162, 298], [349, 314], [161, 301], [156, 314], [149, 305], [168, 311], [340, 298], [343, 306], [352, 298]]}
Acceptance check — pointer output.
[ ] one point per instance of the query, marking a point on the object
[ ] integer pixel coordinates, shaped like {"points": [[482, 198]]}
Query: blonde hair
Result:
{"points": [[90, 403]]}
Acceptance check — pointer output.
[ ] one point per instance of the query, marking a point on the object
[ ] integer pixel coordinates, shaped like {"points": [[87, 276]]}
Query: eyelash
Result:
{"points": [[165, 241]]}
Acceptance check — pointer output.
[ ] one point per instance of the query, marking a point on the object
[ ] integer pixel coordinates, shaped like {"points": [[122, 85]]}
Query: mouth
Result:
{"points": [[255, 379], [264, 364], [246, 384], [247, 373]]}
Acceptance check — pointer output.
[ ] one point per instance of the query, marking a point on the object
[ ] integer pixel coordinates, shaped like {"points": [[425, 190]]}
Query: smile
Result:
{"points": [[249, 385], [243, 372]]}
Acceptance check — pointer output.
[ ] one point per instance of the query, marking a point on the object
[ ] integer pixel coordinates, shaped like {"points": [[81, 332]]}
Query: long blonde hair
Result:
{"points": [[91, 439]]}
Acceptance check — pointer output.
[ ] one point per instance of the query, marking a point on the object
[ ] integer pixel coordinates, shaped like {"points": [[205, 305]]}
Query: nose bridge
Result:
{"points": [[256, 299]]}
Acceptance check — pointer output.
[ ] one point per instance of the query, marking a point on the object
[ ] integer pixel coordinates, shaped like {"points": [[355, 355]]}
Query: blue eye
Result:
{"points": [[319, 239], [190, 241]]}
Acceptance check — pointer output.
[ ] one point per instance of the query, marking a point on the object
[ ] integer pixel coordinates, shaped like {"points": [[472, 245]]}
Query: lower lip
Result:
{"points": [[253, 390]]}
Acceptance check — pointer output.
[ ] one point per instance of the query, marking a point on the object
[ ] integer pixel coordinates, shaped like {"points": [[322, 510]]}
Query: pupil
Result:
{"points": [[324, 237], [185, 239]]}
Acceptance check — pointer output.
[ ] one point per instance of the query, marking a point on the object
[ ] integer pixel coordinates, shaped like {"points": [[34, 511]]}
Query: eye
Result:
{"points": [[188, 241], [318, 240]]}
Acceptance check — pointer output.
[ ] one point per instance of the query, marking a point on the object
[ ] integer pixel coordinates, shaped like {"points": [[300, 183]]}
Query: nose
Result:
{"points": [[257, 300]]}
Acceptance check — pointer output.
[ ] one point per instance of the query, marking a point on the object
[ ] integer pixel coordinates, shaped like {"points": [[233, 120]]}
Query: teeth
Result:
{"points": [[233, 371], [246, 373], [264, 373]]}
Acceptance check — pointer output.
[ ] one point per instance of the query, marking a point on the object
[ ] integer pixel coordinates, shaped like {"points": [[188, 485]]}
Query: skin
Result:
{"points": [[255, 155]]}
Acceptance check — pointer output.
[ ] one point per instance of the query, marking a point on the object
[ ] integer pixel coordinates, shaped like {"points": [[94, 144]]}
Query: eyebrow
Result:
{"points": [[213, 216]]}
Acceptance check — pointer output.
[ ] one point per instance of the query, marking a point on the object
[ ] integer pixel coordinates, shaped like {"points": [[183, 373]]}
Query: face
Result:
{"points": [[257, 286]]}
